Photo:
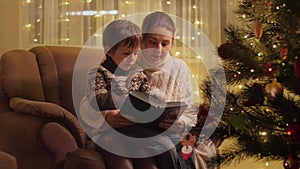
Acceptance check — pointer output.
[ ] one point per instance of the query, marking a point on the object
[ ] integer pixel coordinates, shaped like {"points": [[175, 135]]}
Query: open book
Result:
{"points": [[148, 110]]}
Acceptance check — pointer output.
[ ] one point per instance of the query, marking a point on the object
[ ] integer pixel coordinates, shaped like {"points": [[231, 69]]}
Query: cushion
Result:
{"points": [[58, 140], [7, 161], [51, 112], [84, 158]]}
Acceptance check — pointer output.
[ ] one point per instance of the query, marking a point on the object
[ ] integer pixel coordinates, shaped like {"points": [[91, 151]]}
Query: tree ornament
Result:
{"points": [[257, 28], [284, 52], [291, 162], [256, 96], [201, 116], [297, 67], [224, 50], [274, 89], [293, 133], [187, 146], [267, 68]]}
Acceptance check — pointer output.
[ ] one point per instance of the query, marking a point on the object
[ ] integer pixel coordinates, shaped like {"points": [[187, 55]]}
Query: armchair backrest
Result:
{"points": [[56, 67], [19, 77], [44, 73]]}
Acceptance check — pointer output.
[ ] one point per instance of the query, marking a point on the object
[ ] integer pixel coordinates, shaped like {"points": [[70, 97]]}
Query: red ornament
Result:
{"points": [[267, 68], [257, 28], [297, 67], [224, 50], [201, 116], [256, 97], [293, 133], [284, 52], [291, 162]]}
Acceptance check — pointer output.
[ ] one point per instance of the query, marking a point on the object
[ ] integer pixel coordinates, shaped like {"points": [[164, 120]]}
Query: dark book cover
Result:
{"points": [[148, 110]]}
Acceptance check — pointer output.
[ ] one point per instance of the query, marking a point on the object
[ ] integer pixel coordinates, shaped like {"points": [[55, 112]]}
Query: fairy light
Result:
{"points": [[263, 133], [28, 1], [198, 57], [193, 38], [27, 25], [274, 46], [194, 7], [66, 3], [89, 1], [252, 70], [127, 2], [197, 22], [169, 2], [65, 39], [123, 15], [244, 16], [270, 69], [177, 53]]}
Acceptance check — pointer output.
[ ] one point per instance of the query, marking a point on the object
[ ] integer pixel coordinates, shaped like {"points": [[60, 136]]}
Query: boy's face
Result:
{"points": [[124, 56]]}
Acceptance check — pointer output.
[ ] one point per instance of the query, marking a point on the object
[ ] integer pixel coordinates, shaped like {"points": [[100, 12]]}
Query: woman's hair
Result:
{"points": [[122, 32], [158, 19]]}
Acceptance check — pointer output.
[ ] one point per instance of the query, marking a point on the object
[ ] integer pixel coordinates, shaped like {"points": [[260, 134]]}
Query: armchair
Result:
{"points": [[38, 123]]}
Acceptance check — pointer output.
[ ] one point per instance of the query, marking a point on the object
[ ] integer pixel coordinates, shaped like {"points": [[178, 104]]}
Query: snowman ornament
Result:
{"points": [[187, 146]]}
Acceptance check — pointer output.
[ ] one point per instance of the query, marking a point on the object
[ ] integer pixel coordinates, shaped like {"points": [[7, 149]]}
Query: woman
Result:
{"points": [[159, 73]]}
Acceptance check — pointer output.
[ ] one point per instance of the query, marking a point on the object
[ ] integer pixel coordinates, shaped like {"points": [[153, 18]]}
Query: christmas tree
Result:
{"points": [[261, 60]]}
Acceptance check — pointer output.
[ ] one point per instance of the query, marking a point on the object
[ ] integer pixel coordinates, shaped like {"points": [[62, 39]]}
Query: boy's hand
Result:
{"points": [[116, 120]]}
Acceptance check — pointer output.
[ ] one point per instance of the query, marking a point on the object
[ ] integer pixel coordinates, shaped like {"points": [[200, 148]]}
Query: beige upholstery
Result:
{"points": [[38, 125], [7, 161]]}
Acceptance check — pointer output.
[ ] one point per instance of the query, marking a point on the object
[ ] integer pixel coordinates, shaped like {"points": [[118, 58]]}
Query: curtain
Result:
{"points": [[199, 23]]}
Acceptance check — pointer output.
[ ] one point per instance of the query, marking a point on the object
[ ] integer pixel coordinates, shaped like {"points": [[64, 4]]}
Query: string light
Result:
{"points": [[198, 57], [27, 25], [169, 2]]}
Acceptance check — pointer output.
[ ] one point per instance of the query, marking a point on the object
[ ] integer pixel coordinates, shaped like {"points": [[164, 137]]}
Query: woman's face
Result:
{"points": [[157, 45], [124, 56]]}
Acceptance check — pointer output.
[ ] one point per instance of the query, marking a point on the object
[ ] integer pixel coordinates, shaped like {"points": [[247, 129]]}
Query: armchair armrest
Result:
{"points": [[51, 112]]}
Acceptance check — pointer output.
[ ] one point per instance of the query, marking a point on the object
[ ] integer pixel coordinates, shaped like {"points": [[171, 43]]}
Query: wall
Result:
{"points": [[9, 29]]}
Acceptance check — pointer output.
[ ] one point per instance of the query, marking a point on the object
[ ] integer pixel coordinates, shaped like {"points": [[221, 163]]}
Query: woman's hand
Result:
{"points": [[116, 120]]}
